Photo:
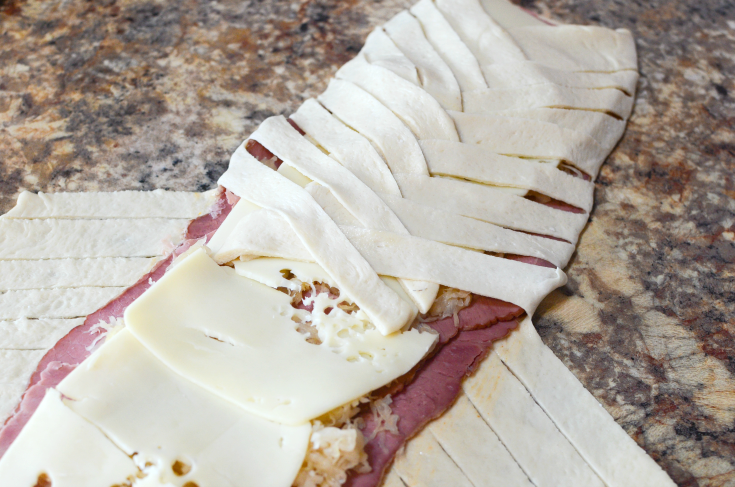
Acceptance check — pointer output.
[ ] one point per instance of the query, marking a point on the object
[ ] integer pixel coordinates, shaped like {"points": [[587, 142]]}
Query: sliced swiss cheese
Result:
{"points": [[251, 180], [236, 338], [59, 448], [160, 418]]}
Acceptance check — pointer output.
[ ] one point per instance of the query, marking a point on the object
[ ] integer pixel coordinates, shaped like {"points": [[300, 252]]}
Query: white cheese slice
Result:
{"points": [[408, 257], [528, 73], [55, 303], [116, 204], [381, 50], [475, 163], [578, 47], [434, 74], [269, 271], [278, 136], [492, 205], [475, 448], [158, 417], [420, 111], [577, 413], [540, 449], [423, 463], [606, 130], [531, 139], [60, 273], [235, 337], [484, 37], [66, 448], [611, 101], [449, 46], [508, 15], [362, 112], [251, 180], [34, 334], [56, 238], [346, 146]]}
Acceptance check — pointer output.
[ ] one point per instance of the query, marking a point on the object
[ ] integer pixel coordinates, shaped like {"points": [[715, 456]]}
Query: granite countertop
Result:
{"points": [[138, 94]]}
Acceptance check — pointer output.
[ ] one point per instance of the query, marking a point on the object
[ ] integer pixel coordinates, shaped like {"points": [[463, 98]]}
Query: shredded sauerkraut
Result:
{"points": [[386, 420], [449, 302]]}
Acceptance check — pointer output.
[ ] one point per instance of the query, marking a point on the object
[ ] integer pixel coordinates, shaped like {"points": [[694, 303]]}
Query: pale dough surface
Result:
{"points": [[117, 204], [60, 273]]}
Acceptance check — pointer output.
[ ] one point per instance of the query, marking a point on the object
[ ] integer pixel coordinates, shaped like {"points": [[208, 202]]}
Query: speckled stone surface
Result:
{"points": [[138, 94]]}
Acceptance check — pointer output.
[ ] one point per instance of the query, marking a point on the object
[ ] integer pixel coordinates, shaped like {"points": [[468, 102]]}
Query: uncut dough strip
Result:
{"points": [[55, 303], [530, 436], [60, 273], [492, 205], [576, 412], [449, 46], [477, 164], [532, 139], [346, 146], [549, 96], [278, 136], [34, 334], [453, 229], [577, 47], [475, 447], [389, 254], [527, 73], [415, 107], [434, 74], [56, 238], [116, 204], [485, 38], [423, 463], [361, 111], [249, 179]]}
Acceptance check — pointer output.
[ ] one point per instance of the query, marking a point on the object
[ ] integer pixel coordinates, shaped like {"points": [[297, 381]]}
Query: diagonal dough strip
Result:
{"points": [[278, 136], [361, 111], [415, 107], [434, 74], [531, 139], [492, 205], [449, 46], [548, 95], [352, 150], [474, 163], [402, 256], [528, 73], [251, 180]]}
